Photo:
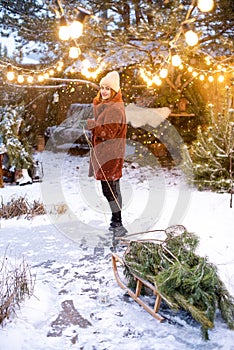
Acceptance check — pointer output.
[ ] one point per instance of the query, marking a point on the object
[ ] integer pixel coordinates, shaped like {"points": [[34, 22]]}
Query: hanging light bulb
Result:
{"points": [[156, 80], [74, 52], [190, 36], [205, 5], [60, 66], [210, 78], [10, 74], [30, 79], [76, 27], [202, 77], [175, 59], [20, 78], [64, 31], [221, 78], [40, 78], [163, 73], [51, 72], [208, 62]]}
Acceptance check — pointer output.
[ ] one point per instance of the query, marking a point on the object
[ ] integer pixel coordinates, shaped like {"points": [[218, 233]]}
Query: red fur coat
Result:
{"points": [[108, 139]]}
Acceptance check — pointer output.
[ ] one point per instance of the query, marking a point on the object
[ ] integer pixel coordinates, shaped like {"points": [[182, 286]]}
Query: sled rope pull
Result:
{"points": [[95, 155]]}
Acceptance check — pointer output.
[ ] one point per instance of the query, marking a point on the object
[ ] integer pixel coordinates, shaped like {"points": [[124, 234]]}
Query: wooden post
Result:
{"points": [[1, 177]]}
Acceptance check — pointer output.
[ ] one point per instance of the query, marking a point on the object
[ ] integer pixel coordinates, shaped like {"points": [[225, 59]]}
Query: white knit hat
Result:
{"points": [[111, 80]]}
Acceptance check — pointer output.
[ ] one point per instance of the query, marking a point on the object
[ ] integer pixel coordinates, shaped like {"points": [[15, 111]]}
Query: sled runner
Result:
{"points": [[117, 262]]}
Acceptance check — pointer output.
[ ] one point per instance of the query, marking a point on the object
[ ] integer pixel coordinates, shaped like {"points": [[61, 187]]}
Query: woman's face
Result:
{"points": [[105, 92]]}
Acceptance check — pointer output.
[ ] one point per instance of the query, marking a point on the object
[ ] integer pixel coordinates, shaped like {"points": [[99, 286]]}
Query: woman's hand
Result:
{"points": [[91, 124]]}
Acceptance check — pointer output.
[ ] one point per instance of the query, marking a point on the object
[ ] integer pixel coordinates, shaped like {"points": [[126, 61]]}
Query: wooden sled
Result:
{"points": [[139, 283]]}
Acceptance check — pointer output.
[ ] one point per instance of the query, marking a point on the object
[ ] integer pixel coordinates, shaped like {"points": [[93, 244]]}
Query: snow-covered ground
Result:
{"points": [[69, 252]]}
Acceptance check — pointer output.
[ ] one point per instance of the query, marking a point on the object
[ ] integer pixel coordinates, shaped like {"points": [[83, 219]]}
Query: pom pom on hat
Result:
{"points": [[111, 80]]}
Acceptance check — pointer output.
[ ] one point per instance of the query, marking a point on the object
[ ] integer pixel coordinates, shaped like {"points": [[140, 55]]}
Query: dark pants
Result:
{"points": [[111, 190]]}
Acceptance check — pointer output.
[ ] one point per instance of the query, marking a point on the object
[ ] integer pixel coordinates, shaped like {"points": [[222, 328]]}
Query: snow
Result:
{"points": [[69, 254]]}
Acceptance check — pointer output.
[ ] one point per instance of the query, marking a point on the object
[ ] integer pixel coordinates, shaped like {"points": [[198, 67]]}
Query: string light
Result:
{"points": [[75, 29]]}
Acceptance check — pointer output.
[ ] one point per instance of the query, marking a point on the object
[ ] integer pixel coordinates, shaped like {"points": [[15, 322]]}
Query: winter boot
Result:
{"points": [[119, 231], [25, 178]]}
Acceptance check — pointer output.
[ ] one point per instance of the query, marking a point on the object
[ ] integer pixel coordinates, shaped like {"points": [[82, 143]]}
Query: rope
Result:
{"points": [[95, 155]]}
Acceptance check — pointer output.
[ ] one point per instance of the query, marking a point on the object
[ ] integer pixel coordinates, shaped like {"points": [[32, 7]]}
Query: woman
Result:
{"points": [[108, 145]]}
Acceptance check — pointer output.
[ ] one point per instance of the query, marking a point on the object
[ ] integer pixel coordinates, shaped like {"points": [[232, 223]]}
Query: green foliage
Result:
{"points": [[208, 162], [18, 152], [184, 279]]}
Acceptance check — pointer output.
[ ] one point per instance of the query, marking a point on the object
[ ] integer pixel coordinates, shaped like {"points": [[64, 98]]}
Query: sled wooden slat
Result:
{"points": [[139, 283]]}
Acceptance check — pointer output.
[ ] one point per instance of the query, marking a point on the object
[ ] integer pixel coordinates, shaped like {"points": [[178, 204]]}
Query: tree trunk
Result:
{"points": [[1, 177]]}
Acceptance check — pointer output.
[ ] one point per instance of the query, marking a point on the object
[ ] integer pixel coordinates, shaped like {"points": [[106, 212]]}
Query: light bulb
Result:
{"points": [[64, 31], [205, 5], [210, 78], [157, 80], [20, 78], [86, 63], [30, 79], [10, 75], [191, 38], [76, 29], [202, 77], [74, 52], [163, 73], [40, 78], [221, 78], [176, 60]]}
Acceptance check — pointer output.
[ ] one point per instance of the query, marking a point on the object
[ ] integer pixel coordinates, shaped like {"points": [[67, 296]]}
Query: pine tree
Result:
{"points": [[18, 149], [184, 279], [208, 163]]}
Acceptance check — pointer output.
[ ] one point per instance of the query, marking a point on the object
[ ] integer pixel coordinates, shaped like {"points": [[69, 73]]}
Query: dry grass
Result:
{"points": [[16, 283], [17, 207]]}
